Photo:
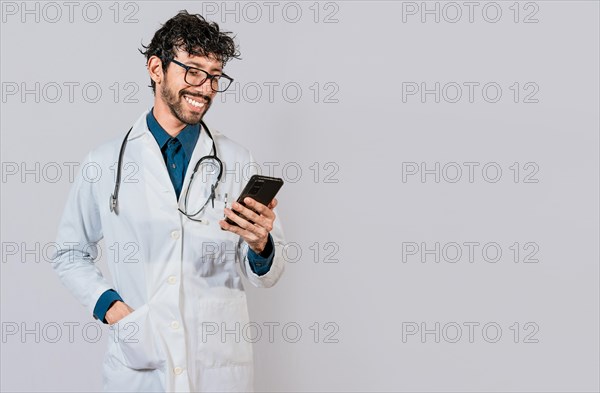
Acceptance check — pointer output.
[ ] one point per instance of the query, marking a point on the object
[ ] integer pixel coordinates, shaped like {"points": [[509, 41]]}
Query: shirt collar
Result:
{"points": [[187, 137]]}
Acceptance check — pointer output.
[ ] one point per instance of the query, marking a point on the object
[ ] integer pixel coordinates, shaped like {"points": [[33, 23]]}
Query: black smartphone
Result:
{"points": [[260, 188]]}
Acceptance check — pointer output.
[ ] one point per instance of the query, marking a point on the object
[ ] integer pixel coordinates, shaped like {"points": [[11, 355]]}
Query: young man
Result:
{"points": [[176, 288]]}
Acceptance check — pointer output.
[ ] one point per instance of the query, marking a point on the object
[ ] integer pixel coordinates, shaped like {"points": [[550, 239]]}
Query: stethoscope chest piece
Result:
{"points": [[113, 205]]}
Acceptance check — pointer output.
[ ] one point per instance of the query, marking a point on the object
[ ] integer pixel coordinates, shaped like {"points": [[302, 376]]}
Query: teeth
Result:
{"points": [[194, 103]]}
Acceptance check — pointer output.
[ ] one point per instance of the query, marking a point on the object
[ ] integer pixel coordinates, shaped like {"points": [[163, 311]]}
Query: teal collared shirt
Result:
{"points": [[176, 161]]}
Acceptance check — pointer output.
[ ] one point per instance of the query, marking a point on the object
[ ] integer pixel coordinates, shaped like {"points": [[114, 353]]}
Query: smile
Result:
{"points": [[195, 103]]}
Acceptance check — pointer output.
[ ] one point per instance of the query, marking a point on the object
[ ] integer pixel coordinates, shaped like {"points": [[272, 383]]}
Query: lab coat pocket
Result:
{"points": [[225, 334], [136, 340], [208, 230], [217, 247], [217, 214]]}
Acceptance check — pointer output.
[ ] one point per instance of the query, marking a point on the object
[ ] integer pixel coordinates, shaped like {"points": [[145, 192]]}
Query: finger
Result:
{"points": [[272, 204], [242, 223], [235, 218], [259, 207], [264, 220], [246, 235], [231, 228], [249, 237], [250, 214], [252, 239]]}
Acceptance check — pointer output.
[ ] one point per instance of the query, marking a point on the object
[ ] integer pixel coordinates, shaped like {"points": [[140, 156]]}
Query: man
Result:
{"points": [[176, 287]]}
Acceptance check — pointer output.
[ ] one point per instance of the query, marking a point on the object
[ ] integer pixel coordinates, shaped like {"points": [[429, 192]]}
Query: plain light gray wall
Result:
{"points": [[361, 68]]}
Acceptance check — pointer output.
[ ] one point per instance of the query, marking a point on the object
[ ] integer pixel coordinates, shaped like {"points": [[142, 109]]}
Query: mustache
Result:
{"points": [[206, 99]]}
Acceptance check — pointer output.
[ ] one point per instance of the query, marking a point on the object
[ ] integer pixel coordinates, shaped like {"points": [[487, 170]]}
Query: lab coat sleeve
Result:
{"points": [[277, 267], [79, 232], [272, 276]]}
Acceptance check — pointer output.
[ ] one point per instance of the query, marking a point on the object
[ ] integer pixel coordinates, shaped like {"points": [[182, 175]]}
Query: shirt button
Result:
{"points": [[172, 280], [174, 325], [175, 234], [177, 370], [174, 166]]}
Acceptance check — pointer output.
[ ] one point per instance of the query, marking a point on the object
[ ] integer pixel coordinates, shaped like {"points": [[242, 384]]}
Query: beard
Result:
{"points": [[180, 108]]}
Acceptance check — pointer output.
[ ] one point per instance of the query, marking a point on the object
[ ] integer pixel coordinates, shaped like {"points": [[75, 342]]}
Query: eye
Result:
{"points": [[194, 72]]}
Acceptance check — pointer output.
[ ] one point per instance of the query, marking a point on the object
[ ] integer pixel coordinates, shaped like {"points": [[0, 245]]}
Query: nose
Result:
{"points": [[203, 90]]}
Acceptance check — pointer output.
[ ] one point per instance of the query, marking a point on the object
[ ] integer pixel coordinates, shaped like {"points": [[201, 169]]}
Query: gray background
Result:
{"points": [[361, 125]]}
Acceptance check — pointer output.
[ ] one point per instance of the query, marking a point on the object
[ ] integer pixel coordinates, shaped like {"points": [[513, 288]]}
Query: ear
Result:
{"points": [[155, 69]]}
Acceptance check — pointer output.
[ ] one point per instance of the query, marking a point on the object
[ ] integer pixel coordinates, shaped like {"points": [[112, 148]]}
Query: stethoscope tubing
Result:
{"points": [[114, 197]]}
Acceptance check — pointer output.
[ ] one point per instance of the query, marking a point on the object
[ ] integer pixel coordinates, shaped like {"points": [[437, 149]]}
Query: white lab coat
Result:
{"points": [[178, 275]]}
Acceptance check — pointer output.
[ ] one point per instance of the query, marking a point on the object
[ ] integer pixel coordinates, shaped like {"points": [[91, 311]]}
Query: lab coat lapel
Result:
{"points": [[150, 157]]}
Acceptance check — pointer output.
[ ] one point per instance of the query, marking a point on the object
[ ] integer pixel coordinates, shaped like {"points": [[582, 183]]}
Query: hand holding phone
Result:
{"points": [[260, 188]]}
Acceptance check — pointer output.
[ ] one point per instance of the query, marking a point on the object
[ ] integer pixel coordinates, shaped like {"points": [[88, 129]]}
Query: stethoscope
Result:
{"points": [[114, 197]]}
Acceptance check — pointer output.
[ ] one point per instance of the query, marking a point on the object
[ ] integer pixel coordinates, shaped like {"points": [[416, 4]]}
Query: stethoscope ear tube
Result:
{"points": [[114, 197]]}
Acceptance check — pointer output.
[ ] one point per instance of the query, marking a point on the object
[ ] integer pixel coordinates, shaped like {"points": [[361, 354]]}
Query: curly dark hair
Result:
{"points": [[195, 35]]}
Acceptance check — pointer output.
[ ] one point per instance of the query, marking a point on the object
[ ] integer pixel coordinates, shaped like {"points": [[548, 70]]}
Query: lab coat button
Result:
{"points": [[174, 325], [172, 280], [175, 234], [177, 370]]}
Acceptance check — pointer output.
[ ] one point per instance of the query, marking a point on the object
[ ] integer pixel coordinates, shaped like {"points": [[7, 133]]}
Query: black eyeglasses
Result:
{"points": [[196, 77]]}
